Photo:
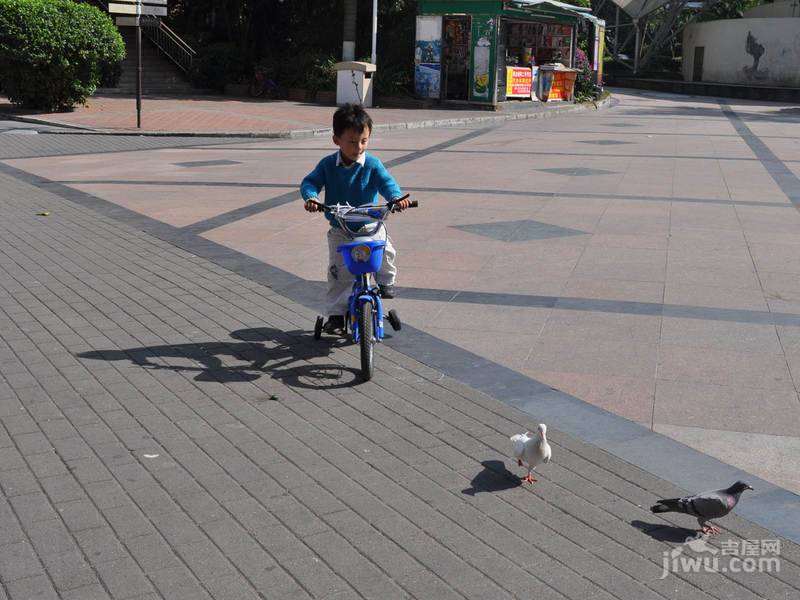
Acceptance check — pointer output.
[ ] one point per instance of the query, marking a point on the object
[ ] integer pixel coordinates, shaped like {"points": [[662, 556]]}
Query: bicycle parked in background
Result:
{"points": [[262, 84]]}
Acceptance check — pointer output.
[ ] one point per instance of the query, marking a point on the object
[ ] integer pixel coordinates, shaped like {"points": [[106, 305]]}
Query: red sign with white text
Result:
{"points": [[518, 82]]}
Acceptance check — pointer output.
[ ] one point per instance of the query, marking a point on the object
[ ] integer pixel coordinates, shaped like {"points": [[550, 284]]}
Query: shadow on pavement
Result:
{"points": [[278, 354], [494, 478], [775, 116], [665, 533]]}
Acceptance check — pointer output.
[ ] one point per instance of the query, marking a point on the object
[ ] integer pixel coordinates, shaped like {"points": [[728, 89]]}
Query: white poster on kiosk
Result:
{"points": [[428, 57]]}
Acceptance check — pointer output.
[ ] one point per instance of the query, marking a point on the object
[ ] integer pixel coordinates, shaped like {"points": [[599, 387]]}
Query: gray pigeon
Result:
{"points": [[705, 505]]}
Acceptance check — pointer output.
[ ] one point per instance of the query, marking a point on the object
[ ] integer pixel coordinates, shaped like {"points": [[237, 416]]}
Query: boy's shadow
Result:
{"points": [[494, 478], [282, 355]]}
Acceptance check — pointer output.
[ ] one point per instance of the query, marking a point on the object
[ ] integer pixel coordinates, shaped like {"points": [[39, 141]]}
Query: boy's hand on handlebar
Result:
{"points": [[312, 205], [402, 205]]}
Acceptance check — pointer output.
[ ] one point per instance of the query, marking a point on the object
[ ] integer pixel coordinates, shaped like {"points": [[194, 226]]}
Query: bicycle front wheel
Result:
{"points": [[365, 322]]}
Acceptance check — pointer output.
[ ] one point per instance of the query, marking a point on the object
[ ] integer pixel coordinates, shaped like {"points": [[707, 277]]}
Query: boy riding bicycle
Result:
{"points": [[351, 176]]}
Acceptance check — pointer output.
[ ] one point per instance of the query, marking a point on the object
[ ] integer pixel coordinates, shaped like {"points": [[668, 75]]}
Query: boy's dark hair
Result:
{"points": [[351, 116]]}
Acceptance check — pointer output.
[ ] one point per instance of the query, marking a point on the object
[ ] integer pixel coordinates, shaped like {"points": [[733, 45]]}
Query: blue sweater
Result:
{"points": [[357, 185]]}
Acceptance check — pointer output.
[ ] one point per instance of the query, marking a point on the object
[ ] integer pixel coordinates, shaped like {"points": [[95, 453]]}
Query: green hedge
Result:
{"points": [[54, 52]]}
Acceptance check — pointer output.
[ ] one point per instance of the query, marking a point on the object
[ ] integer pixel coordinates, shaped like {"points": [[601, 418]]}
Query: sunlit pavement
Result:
{"points": [[642, 259]]}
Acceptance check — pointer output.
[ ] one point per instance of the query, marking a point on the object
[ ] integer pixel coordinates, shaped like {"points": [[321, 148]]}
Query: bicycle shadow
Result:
{"points": [[281, 355]]}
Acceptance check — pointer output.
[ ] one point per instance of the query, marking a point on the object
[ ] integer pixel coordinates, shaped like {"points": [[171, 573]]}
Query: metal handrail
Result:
{"points": [[168, 42]]}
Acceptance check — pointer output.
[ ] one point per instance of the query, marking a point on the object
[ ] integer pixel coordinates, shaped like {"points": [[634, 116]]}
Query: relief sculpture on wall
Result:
{"points": [[756, 50]]}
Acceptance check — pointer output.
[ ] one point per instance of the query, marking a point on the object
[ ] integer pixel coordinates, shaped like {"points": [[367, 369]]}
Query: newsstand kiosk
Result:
{"points": [[490, 51]]}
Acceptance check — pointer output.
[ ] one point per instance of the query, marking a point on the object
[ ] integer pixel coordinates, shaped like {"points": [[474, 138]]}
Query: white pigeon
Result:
{"points": [[531, 449]]}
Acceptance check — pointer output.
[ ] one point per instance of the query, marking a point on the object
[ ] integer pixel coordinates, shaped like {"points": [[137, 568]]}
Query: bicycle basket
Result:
{"points": [[363, 256]]}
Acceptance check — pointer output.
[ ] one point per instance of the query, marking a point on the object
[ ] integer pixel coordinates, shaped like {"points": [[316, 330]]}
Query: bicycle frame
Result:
{"points": [[363, 257], [365, 290]]}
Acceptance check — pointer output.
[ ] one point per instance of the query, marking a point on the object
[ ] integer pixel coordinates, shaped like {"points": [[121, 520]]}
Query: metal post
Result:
{"points": [[374, 32], [663, 31], [573, 44], [616, 35], [637, 47], [349, 36], [138, 74]]}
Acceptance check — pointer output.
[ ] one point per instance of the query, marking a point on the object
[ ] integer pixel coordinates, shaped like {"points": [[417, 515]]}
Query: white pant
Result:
{"points": [[340, 280]]}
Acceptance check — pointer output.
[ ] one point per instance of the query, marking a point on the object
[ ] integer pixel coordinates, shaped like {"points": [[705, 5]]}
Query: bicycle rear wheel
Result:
{"points": [[367, 341]]}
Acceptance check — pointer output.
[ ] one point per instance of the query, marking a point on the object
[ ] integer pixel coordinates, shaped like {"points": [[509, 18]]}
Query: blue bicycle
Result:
{"points": [[363, 257]]}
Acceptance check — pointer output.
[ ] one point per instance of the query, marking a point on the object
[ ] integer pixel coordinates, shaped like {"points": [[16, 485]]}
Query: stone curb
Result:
{"points": [[35, 121], [307, 133]]}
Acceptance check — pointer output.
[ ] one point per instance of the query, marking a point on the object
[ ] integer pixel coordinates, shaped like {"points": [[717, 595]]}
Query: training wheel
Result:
{"points": [[394, 320], [318, 328]]}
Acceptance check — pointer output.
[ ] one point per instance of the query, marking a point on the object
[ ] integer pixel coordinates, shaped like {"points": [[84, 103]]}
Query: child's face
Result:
{"points": [[352, 144]]}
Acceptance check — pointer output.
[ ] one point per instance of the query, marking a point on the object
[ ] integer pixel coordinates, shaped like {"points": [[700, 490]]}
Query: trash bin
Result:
{"points": [[354, 82], [570, 75], [557, 88], [545, 81]]}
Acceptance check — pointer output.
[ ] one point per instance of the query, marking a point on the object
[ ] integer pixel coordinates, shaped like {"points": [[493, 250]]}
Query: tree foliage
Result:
{"points": [[287, 35], [727, 9], [54, 52], [584, 86]]}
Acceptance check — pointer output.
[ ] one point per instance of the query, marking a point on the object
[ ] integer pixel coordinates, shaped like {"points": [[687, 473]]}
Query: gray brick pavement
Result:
{"points": [[25, 146], [170, 430]]}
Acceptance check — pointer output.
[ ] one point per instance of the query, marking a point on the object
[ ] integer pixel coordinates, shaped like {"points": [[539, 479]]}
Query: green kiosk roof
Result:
{"points": [[550, 10]]}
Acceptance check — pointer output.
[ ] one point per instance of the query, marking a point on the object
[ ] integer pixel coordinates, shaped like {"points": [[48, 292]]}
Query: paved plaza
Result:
{"points": [[227, 116], [170, 429]]}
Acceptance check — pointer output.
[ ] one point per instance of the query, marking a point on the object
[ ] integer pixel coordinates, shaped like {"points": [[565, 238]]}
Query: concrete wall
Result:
{"points": [[787, 8], [771, 58]]}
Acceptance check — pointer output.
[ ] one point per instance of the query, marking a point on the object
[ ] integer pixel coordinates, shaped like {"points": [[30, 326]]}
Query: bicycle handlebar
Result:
{"points": [[366, 215], [390, 204]]}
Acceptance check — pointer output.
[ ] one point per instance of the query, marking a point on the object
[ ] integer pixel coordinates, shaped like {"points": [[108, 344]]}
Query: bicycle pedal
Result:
{"points": [[394, 320]]}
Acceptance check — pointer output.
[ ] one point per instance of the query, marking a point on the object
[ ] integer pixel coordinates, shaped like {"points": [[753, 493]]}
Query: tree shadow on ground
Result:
{"points": [[495, 477], [665, 533], [291, 357]]}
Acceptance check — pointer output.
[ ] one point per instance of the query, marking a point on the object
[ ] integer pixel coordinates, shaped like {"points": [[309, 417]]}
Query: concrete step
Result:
{"points": [[159, 73], [705, 88], [152, 76], [149, 89], [156, 92]]}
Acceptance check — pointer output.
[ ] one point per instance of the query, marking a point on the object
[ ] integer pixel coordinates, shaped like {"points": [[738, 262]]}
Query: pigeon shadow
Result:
{"points": [[494, 478], [292, 357], [664, 533]]}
